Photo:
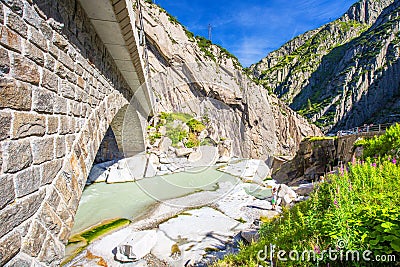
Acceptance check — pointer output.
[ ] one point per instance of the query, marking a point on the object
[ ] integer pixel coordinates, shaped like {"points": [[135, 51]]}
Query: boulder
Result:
{"points": [[119, 175], [164, 145], [162, 130], [136, 246], [223, 159], [225, 150], [286, 190], [305, 189], [164, 159], [125, 254], [194, 156], [203, 156], [181, 152], [154, 160], [99, 172], [287, 200], [250, 236], [128, 169]]}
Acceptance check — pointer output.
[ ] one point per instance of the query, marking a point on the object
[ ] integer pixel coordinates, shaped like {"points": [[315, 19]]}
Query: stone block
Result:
{"points": [[17, 156], [27, 181], [75, 108], [16, 23], [27, 124], [50, 219], [67, 90], [50, 80], [53, 50], [34, 241], [61, 70], [1, 14], [67, 61], [5, 125], [81, 82], [52, 124], [19, 261], [46, 30], [61, 147], [66, 126], [60, 105], [9, 247], [25, 70], [60, 42], [7, 194], [43, 150], [15, 5], [49, 170], [51, 252], [10, 39], [72, 77], [70, 141], [14, 94], [31, 17], [4, 61], [33, 53], [54, 199], [43, 100], [14, 215], [49, 62]]}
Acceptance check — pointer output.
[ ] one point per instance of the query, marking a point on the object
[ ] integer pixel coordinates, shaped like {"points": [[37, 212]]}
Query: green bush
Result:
{"points": [[195, 125], [386, 144], [192, 141], [176, 135]]}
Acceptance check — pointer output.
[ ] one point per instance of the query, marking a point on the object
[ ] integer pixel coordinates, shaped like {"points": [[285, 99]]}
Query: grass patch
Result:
{"points": [[321, 138]]}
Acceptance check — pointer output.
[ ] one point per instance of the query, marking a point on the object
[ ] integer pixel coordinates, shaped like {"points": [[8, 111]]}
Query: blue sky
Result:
{"points": [[252, 29]]}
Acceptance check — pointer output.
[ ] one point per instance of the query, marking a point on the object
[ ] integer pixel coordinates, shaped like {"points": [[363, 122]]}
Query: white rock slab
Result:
{"points": [[251, 170], [198, 225]]}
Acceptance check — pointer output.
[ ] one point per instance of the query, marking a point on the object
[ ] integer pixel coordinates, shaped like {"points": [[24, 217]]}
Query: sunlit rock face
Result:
{"points": [[193, 76]]}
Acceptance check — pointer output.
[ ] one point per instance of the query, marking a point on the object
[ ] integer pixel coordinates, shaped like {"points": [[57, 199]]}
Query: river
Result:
{"points": [[101, 201]]}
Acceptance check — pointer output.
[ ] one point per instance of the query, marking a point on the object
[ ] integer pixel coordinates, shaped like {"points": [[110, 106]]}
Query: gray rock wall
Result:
{"points": [[187, 79], [59, 91]]}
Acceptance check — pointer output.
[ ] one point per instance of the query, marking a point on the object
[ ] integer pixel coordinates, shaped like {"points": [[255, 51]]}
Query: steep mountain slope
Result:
{"points": [[189, 74], [331, 75]]}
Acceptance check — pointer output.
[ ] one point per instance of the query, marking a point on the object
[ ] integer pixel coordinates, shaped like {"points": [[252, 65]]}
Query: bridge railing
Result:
{"points": [[372, 128]]}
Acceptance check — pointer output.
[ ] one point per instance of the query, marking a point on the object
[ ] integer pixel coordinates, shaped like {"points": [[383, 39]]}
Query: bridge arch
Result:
{"points": [[64, 82]]}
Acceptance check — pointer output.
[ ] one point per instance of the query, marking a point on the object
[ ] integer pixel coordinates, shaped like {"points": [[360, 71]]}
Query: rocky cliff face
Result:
{"points": [[191, 75], [343, 73]]}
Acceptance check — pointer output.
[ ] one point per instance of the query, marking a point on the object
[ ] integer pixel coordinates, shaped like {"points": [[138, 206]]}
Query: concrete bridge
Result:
{"points": [[68, 69]]}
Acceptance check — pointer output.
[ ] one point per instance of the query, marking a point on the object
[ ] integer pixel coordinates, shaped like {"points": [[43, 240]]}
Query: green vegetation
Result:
{"points": [[195, 125], [99, 230], [205, 46], [82, 240], [356, 210], [386, 144], [177, 132], [176, 135], [321, 138]]}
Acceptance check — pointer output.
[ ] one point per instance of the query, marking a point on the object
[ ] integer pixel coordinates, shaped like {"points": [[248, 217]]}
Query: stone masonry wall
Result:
{"points": [[59, 91]]}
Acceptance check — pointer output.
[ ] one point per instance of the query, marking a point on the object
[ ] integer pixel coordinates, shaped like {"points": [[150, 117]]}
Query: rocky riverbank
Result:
{"points": [[196, 229]]}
